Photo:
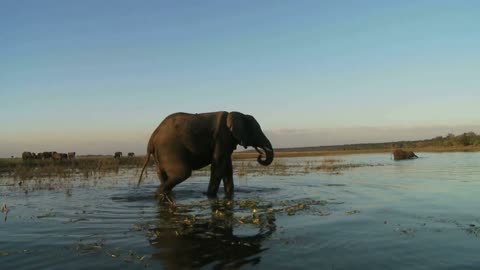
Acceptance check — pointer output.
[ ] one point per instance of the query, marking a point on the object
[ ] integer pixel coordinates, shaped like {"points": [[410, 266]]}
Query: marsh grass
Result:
{"points": [[97, 167], [86, 167], [280, 167]]}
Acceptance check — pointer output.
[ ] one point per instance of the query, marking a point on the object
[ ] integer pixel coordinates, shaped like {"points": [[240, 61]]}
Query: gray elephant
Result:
{"points": [[59, 156], [117, 155], [48, 155], [401, 154], [184, 142], [28, 155], [131, 154], [56, 156], [71, 155]]}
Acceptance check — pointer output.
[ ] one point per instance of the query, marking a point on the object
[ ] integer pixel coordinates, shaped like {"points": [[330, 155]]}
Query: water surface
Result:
{"points": [[416, 214]]}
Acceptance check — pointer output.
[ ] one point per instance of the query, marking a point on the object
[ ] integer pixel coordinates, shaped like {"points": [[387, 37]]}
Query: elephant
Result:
{"points": [[39, 156], [56, 156], [117, 155], [71, 155], [59, 156], [48, 155], [131, 154], [401, 154], [183, 142], [28, 155]]}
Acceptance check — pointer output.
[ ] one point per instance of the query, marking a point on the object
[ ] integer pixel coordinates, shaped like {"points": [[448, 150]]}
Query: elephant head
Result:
{"points": [[401, 154], [247, 132]]}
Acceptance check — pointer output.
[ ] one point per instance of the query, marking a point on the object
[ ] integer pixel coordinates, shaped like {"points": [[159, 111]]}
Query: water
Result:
{"points": [[416, 214]]}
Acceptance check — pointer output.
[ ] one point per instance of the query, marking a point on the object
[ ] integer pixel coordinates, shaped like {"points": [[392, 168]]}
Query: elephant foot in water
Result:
{"points": [[164, 196]]}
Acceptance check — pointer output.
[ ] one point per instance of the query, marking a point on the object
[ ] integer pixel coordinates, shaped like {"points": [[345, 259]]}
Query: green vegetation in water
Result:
{"points": [[96, 167], [101, 247], [234, 212], [245, 168], [83, 166]]}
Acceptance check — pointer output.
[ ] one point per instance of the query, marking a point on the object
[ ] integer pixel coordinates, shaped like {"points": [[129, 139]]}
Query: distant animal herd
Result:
{"points": [[61, 156], [119, 154], [48, 155]]}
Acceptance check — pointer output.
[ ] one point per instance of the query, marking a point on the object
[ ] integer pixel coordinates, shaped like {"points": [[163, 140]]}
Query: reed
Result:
{"points": [[96, 167], [85, 166]]}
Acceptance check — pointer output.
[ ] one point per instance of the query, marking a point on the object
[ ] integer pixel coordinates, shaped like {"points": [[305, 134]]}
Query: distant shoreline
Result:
{"points": [[95, 166], [306, 153], [312, 151]]}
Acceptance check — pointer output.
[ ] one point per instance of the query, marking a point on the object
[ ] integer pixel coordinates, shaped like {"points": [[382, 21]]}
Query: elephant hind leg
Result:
{"points": [[171, 178], [162, 175]]}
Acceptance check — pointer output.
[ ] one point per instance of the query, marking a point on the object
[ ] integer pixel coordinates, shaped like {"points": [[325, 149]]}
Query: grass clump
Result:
{"points": [[85, 166]]}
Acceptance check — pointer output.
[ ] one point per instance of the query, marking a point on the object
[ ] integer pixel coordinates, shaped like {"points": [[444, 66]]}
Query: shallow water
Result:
{"points": [[416, 214]]}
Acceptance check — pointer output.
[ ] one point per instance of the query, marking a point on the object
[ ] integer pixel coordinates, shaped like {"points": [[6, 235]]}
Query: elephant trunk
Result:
{"points": [[268, 152]]}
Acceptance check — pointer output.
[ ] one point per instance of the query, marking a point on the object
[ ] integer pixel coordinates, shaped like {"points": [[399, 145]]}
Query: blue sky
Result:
{"points": [[100, 75]]}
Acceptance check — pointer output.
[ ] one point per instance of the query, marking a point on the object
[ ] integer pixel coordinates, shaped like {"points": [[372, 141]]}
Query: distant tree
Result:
{"points": [[447, 143], [471, 134], [464, 139], [476, 141]]}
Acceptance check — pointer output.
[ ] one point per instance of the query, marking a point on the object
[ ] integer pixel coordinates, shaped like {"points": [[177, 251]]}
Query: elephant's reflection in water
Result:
{"points": [[187, 241]]}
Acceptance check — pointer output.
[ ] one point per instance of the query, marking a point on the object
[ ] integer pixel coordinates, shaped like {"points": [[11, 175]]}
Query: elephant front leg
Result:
{"points": [[214, 184], [216, 174], [228, 179]]}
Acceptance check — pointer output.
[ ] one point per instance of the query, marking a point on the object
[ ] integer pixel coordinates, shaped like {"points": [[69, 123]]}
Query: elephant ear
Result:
{"points": [[236, 124]]}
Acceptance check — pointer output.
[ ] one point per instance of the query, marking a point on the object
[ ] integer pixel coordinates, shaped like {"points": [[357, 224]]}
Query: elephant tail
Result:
{"points": [[143, 169]]}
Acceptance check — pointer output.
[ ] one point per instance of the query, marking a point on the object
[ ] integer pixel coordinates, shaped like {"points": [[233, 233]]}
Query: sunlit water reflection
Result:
{"points": [[417, 214]]}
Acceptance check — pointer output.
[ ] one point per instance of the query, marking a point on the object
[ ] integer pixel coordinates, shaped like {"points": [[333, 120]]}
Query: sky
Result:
{"points": [[98, 76]]}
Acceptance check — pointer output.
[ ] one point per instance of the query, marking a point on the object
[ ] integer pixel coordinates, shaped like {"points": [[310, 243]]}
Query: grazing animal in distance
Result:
{"points": [[48, 155], [59, 156], [131, 154], [27, 155], [71, 155], [117, 155], [56, 156], [399, 154], [184, 142]]}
